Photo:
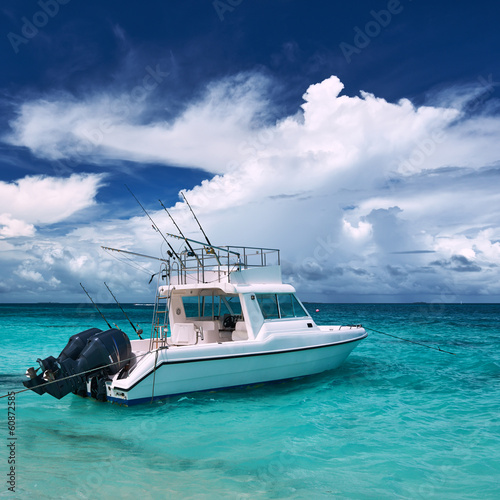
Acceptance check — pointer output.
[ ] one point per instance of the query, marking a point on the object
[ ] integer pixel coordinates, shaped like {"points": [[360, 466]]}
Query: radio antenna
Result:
{"points": [[95, 305], [124, 313]]}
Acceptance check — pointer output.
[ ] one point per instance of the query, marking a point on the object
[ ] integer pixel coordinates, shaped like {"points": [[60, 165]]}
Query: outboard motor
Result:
{"points": [[87, 354]]}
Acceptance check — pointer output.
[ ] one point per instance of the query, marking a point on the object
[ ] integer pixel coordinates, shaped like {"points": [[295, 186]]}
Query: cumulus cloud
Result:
{"points": [[364, 193], [366, 198], [43, 200], [10, 227]]}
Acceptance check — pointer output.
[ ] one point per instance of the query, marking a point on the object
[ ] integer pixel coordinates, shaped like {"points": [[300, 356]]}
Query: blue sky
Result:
{"points": [[359, 138]]}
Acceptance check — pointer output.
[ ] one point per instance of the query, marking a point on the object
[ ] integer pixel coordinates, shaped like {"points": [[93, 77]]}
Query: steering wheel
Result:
{"points": [[229, 322]]}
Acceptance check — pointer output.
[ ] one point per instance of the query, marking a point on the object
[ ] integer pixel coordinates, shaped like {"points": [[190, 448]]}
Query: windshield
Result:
{"points": [[280, 305]]}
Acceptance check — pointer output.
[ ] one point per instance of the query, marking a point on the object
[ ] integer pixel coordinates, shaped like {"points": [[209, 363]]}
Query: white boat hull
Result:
{"points": [[184, 370]]}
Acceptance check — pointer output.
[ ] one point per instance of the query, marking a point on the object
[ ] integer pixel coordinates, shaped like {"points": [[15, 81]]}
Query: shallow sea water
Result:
{"points": [[396, 420]]}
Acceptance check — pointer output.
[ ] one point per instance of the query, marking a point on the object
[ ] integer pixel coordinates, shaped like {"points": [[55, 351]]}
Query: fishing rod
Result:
{"points": [[95, 305], [124, 313], [199, 225], [140, 255], [179, 229], [201, 243], [133, 253], [156, 228]]}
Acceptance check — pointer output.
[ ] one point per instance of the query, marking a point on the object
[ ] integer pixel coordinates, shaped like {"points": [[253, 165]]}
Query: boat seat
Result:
{"points": [[184, 334], [210, 331], [240, 331]]}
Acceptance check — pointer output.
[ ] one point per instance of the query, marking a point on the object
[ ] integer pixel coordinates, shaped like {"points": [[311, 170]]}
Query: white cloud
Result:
{"points": [[29, 275], [355, 152], [11, 228], [361, 231], [111, 126], [43, 200], [365, 197]]}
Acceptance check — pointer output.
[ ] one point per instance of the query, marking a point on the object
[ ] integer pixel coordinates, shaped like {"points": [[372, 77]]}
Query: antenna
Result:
{"points": [[95, 305], [125, 314], [199, 225], [156, 228]]}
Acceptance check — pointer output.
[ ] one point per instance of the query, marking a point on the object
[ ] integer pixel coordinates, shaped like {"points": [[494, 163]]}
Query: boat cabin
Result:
{"points": [[226, 303]]}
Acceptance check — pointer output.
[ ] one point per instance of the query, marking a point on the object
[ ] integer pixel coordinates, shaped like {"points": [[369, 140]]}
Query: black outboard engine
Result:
{"points": [[88, 354]]}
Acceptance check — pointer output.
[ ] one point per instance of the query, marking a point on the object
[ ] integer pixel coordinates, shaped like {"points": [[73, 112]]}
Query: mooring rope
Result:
{"points": [[411, 341]]}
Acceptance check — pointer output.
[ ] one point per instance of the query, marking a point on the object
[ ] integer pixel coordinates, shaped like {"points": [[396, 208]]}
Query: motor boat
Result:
{"points": [[222, 318]]}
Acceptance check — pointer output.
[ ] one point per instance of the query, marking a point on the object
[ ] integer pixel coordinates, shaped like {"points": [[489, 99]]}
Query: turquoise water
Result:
{"points": [[397, 420]]}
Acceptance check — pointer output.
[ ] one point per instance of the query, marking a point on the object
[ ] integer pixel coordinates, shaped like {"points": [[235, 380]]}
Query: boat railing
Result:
{"points": [[210, 264]]}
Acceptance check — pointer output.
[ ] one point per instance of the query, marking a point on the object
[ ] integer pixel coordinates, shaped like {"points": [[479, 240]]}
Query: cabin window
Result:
{"points": [[229, 304], [280, 305], [211, 306], [268, 303], [191, 306], [290, 307]]}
